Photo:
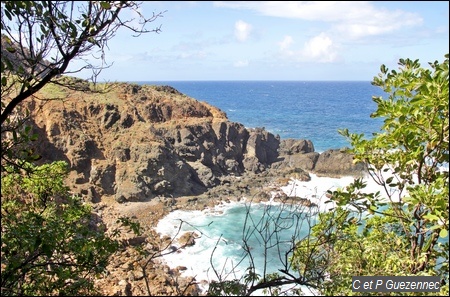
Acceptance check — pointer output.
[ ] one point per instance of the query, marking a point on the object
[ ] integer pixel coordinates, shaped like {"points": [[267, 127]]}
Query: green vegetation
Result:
{"points": [[51, 247], [404, 232], [50, 244]]}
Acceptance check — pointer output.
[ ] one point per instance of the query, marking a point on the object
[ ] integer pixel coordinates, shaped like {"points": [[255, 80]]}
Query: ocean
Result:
{"points": [[313, 110]]}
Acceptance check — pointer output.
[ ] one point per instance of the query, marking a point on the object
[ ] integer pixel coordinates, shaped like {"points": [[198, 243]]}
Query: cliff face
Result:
{"points": [[139, 142]]}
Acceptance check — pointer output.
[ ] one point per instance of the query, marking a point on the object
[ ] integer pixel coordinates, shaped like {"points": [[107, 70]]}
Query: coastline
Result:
{"points": [[191, 257], [152, 272]]}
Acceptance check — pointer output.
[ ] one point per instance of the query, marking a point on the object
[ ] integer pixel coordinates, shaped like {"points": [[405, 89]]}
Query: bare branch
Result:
{"points": [[44, 40]]}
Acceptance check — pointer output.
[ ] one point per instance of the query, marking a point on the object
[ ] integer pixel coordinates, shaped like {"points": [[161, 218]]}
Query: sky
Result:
{"points": [[278, 40]]}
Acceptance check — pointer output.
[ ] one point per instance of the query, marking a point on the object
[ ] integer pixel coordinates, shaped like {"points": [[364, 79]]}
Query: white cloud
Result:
{"points": [[353, 19], [241, 63], [320, 48], [242, 30], [346, 23], [307, 10], [285, 44], [376, 22]]}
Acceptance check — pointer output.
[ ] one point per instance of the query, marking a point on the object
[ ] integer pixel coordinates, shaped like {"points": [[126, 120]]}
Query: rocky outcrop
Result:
{"points": [[336, 162], [262, 149], [137, 142], [296, 153], [132, 144]]}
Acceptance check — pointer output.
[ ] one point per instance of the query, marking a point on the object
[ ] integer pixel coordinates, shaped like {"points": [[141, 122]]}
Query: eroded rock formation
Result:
{"points": [[138, 142]]}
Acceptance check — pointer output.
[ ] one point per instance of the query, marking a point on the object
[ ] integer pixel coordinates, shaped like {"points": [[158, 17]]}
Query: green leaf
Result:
{"points": [[431, 217], [443, 233], [47, 249], [105, 5]]}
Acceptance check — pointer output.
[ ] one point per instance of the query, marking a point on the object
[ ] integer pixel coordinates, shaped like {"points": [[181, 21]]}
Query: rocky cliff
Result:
{"points": [[135, 143], [145, 144]]}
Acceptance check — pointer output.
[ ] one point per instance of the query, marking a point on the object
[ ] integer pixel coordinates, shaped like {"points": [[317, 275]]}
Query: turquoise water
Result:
{"points": [[300, 110], [230, 229], [267, 231]]}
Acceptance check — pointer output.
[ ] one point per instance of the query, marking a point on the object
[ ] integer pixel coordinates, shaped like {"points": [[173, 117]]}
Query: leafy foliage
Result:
{"points": [[227, 287], [16, 139], [49, 246], [404, 231]]}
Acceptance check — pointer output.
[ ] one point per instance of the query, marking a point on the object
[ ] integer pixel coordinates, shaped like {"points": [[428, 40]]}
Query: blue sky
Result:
{"points": [[276, 40]]}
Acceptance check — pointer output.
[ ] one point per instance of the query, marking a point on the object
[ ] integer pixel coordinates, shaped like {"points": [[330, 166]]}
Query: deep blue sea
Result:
{"points": [[313, 110]]}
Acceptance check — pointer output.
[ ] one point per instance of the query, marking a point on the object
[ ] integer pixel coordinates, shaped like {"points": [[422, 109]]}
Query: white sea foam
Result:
{"points": [[316, 189], [221, 228], [216, 237], [197, 258]]}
